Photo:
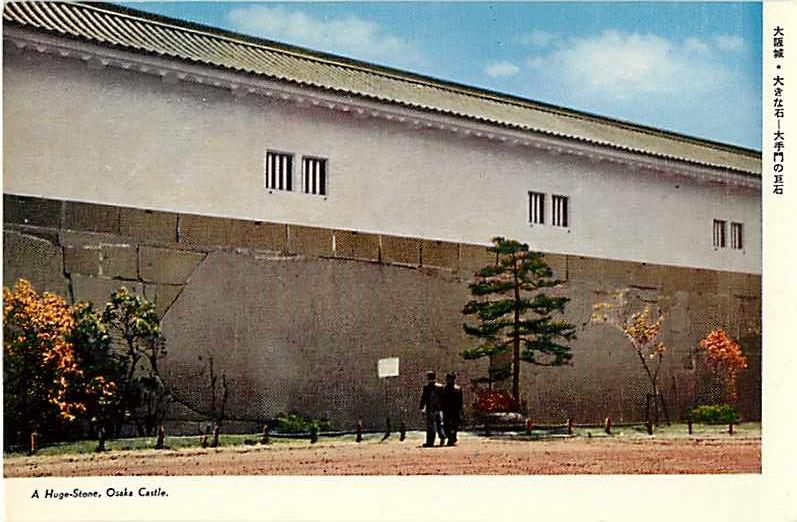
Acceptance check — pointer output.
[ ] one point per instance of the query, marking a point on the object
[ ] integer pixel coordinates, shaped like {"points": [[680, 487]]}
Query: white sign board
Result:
{"points": [[388, 367]]}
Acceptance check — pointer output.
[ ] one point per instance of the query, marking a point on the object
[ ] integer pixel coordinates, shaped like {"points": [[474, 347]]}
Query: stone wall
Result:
{"points": [[297, 317]]}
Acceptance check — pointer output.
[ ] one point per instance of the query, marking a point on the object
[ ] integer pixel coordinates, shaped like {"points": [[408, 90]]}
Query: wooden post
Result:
{"points": [[529, 425], [314, 433], [34, 442], [649, 426], [387, 429], [216, 432], [730, 428], [265, 439], [607, 426], [569, 426], [689, 424], [100, 441], [204, 440], [359, 437], [402, 431], [161, 437]]}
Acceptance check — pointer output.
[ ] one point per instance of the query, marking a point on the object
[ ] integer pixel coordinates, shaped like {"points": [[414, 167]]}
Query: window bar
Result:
{"points": [[322, 180], [289, 173], [314, 166]]}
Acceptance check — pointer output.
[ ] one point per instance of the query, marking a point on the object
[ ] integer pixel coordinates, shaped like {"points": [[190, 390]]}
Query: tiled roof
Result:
{"points": [[140, 32]]}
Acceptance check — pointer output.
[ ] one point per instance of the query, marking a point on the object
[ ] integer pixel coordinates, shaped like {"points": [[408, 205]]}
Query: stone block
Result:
{"points": [[162, 296], [35, 259], [50, 235], [70, 238], [748, 285], [646, 275], [558, 264], [356, 245], [167, 265], [119, 261], [148, 225], [258, 235], [584, 269], [98, 290], [600, 273], [38, 212], [440, 254], [204, 231], [82, 260], [401, 250], [91, 217], [703, 281], [310, 241], [676, 279], [473, 258]]}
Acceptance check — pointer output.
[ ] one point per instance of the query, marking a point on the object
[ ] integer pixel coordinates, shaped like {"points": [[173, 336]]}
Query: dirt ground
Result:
{"points": [[472, 456]]}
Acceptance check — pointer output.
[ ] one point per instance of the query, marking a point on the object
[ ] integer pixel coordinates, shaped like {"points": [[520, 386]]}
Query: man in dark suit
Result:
{"points": [[452, 407], [431, 405]]}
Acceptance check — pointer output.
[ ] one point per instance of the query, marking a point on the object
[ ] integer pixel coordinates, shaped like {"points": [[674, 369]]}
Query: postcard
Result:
{"points": [[346, 261]]}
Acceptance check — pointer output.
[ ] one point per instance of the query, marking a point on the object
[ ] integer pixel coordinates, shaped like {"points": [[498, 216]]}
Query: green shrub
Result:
{"points": [[294, 423], [714, 414]]}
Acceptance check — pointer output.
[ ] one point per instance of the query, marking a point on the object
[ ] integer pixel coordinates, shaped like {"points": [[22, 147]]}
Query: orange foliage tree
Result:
{"points": [[57, 365], [725, 359], [642, 332], [39, 362]]}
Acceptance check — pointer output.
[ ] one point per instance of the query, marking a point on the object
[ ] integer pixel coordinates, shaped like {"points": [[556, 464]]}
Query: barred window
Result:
{"points": [[719, 233], [559, 215], [536, 208], [315, 175], [279, 171], [736, 236]]}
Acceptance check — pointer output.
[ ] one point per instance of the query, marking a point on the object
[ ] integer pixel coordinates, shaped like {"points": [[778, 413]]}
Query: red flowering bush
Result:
{"points": [[725, 359], [493, 401]]}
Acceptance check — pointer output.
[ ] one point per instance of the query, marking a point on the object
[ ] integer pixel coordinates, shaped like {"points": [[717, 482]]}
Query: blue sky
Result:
{"points": [[692, 68]]}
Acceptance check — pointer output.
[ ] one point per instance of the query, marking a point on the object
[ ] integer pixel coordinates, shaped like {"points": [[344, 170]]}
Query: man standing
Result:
{"points": [[431, 405], [452, 407]]}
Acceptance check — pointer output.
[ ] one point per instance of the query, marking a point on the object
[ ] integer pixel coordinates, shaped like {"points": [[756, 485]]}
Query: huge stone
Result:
{"points": [[299, 335], [34, 259], [167, 265]]}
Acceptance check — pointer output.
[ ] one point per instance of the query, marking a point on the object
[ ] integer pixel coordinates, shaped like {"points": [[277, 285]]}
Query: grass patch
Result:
{"points": [[675, 431], [143, 443]]}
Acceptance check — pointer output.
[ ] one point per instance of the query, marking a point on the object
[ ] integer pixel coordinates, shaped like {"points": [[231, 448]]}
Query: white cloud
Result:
{"points": [[349, 35], [729, 43], [631, 65], [538, 38], [536, 62], [501, 69], [696, 45]]}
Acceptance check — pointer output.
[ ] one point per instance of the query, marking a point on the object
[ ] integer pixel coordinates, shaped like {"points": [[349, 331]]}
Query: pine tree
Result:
{"points": [[513, 312]]}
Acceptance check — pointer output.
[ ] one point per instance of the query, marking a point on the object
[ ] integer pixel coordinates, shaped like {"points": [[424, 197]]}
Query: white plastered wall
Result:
{"points": [[125, 138]]}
